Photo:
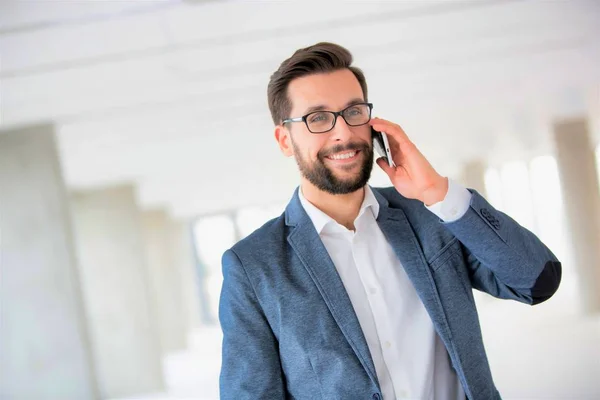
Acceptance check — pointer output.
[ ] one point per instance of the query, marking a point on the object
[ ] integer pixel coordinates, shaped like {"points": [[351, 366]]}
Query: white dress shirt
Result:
{"points": [[410, 359]]}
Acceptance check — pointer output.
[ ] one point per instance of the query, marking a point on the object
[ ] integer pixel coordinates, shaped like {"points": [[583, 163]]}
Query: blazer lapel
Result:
{"points": [[399, 233], [310, 250]]}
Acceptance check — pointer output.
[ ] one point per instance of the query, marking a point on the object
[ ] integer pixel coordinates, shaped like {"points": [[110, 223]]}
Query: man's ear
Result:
{"points": [[284, 140]]}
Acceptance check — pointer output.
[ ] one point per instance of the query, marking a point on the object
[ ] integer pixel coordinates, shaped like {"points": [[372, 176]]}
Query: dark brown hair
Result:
{"points": [[319, 58]]}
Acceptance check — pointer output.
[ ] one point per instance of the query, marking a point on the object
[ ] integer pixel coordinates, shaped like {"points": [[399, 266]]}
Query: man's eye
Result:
{"points": [[354, 111], [320, 117]]}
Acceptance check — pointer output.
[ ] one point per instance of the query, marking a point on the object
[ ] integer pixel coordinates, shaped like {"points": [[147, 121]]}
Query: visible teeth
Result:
{"points": [[342, 156]]}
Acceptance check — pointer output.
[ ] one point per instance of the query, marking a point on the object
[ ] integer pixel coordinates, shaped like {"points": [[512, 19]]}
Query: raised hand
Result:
{"points": [[413, 177]]}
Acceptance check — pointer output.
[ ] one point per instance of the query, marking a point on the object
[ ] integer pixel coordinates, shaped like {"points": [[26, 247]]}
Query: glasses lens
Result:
{"points": [[320, 121], [358, 114]]}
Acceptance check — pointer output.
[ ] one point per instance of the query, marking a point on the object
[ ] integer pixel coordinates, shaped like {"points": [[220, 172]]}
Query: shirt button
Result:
{"points": [[453, 211], [403, 394], [388, 344], [372, 290]]}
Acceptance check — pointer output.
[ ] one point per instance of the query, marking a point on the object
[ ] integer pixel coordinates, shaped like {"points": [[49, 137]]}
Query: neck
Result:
{"points": [[343, 208]]}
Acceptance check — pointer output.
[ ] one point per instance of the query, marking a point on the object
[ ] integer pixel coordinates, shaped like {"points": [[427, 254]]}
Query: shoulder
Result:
{"points": [[411, 207], [264, 240], [426, 226]]}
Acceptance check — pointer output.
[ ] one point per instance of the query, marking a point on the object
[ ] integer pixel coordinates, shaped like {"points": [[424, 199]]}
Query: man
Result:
{"points": [[363, 293]]}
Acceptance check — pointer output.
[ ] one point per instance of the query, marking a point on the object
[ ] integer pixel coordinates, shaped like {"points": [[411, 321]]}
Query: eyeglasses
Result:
{"points": [[324, 121]]}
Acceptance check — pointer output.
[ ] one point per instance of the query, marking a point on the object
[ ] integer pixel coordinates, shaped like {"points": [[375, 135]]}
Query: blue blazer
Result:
{"points": [[289, 329]]}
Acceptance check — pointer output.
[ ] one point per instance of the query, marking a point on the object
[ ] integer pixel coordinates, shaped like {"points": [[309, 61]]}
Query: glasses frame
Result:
{"points": [[335, 117]]}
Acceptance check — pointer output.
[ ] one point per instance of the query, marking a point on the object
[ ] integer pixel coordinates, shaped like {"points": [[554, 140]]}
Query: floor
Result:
{"points": [[541, 352]]}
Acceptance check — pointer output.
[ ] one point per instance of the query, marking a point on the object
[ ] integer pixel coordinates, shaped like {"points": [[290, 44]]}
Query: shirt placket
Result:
{"points": [[373, 289]]}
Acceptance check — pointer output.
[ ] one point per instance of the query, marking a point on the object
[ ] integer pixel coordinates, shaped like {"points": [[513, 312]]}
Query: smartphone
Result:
{"points": [[382, 146]]}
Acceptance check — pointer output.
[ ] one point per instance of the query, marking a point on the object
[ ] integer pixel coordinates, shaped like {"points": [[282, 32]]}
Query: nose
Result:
{"points": [[341, 132]]}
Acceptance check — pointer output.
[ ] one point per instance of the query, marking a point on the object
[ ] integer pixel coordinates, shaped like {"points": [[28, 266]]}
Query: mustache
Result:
{"points": [[343, 147]]}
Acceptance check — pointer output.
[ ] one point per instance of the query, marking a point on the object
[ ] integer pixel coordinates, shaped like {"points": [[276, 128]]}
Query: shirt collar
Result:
{"points": [[320, 219]]}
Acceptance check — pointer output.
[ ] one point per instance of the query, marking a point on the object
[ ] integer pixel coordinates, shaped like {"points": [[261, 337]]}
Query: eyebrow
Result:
{"points": [[321, 107]]}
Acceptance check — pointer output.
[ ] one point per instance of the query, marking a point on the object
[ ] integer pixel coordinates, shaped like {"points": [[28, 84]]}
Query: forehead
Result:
{"points": [[332, 89]]}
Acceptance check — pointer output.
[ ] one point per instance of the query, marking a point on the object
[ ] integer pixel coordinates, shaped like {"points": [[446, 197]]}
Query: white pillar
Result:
{"points": [[474, 176], [166, 280], [183, 256], [44, 352], [117, 292], [581, 194]]}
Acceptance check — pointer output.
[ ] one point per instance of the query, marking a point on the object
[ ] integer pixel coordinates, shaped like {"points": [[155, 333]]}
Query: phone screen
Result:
{"points": [[381, 145], [378, 142]]}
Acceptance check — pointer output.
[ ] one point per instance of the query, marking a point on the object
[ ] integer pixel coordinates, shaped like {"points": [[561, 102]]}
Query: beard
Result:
{"points": [[320, 175]]}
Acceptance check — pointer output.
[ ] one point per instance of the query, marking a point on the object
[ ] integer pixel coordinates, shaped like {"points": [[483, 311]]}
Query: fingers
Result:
{"points": [[395, 131], [383, 164]]}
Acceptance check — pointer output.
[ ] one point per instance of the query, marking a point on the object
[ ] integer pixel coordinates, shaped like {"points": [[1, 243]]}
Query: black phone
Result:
{"points": [[382, 146]]}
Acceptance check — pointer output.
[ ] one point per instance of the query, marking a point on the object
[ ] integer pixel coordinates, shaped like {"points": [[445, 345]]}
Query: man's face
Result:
{"points": [[339, 161]]}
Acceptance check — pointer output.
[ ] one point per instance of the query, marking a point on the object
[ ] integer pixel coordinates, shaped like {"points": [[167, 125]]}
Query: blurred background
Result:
{"points": [[136, 146]]}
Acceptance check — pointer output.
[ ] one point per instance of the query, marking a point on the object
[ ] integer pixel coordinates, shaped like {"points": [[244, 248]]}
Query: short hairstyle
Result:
{"points": [[322, 57]]}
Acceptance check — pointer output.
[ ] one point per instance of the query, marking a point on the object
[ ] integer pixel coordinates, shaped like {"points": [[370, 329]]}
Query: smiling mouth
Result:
{"points": [[344, 156]]}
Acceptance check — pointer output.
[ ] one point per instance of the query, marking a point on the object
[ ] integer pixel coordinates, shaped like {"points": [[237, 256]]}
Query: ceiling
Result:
{"points": [[171, 95]]}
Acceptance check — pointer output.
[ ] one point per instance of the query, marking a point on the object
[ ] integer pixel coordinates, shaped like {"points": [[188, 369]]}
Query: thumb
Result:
{"points": [[383, 164]]}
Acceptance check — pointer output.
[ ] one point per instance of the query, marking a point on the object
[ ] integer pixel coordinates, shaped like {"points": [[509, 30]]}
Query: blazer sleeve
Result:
{"points": [[505, 259], [250, 366]]}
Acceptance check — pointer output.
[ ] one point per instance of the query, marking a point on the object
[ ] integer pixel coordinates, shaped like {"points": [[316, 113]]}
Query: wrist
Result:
{"points": [[436, 193]]}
